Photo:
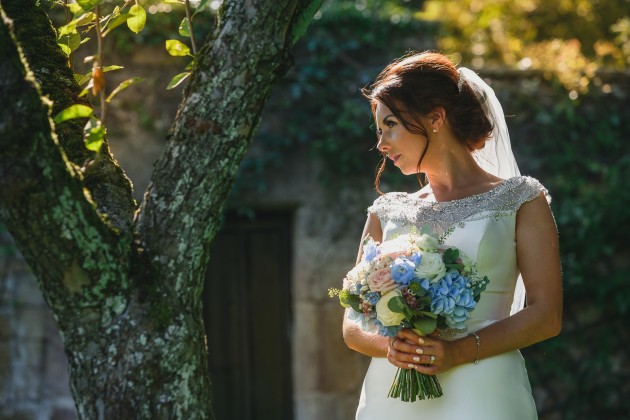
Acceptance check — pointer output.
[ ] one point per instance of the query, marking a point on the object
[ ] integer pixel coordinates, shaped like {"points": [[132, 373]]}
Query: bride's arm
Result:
{"points": [[539, 263], [372, 345]]}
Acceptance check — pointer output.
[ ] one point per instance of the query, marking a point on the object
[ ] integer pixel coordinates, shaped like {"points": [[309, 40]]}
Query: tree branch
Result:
{"points": [[212, 131], [76, 256], [106, 181]]}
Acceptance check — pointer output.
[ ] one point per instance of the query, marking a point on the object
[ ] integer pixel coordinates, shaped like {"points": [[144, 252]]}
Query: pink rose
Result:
{"points": [[381, 281]]}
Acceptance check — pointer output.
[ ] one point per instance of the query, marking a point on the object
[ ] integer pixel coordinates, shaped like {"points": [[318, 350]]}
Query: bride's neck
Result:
{"points": [[457, 175]]}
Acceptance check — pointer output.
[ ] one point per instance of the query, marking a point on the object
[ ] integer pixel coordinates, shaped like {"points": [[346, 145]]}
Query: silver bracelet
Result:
{"points": [[478, 341]]}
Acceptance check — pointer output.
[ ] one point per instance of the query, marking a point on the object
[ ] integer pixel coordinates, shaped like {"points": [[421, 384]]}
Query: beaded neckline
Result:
{"points": [[463, 199], [501, 200]]}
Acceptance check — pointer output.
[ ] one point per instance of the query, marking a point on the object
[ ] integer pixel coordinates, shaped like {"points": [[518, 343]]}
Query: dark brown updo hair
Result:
{"points": [[417, 83]]}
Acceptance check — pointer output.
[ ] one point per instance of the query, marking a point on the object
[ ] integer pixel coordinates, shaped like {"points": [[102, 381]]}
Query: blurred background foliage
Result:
{"points": [[568, 39], [560, 69]]}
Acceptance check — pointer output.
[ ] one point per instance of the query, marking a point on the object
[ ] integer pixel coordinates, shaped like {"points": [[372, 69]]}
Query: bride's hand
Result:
{"points": [[426, 354]]}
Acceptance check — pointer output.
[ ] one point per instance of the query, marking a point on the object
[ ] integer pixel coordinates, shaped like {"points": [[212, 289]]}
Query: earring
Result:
{"points": [[434, 130]]}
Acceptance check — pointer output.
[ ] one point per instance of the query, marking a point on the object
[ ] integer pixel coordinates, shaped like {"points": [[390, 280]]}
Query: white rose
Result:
{"points": [[427, 243], [431, 267], [387, 317]]}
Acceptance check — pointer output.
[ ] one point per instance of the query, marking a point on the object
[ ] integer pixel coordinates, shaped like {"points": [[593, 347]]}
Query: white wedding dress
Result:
{"points": [[483, 226]]}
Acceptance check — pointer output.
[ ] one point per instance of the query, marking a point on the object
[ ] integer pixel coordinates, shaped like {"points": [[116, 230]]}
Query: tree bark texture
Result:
{"points": [[126, 294], [104, 179]]}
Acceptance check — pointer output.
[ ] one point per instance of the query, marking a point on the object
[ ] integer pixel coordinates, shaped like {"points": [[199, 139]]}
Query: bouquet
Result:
{"points": [[413, 282]]}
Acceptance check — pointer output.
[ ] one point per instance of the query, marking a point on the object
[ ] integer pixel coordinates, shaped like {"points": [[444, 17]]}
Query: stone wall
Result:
{"points": [[33, 366]]}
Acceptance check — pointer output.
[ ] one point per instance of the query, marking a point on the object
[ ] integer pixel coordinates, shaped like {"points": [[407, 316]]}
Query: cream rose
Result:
{"points": [[427, 243], [387, 317], [381, 281], [394, 248], [431, 267]]}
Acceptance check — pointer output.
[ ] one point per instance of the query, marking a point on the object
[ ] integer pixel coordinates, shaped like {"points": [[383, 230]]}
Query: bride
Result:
{"points": [[434, 119]]}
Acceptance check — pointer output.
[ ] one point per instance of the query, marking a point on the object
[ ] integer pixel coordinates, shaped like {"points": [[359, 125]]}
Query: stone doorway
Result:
{"points": [[247, 312]]}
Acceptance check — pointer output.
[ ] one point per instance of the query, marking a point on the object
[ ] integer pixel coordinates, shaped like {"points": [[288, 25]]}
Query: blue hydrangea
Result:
{"points": [[372, 297], [370, 251], [458, 318], [451, 298], [416, 258], [386, 331], [402, 271]]}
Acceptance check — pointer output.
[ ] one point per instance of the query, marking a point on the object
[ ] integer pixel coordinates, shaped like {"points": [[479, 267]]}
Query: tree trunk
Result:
{"points": [[126, 295]]}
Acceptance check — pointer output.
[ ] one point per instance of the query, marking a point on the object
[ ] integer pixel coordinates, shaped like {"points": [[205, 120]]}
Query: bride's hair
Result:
{"points": [[416, 84]]}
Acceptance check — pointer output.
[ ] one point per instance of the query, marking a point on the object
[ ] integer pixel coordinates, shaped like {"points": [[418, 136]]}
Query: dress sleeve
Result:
{"points": [[530, 189], [377, 206], [383, 205]]}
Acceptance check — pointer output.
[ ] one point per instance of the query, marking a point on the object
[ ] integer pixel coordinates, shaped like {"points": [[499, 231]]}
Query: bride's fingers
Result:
{"points": [[406, 346], [427, 369], [403, 354], [409, 335], [400, 359], [423, 364]]}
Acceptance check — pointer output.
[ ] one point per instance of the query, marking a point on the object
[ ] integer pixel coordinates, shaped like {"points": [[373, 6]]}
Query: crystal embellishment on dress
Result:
{"points": [[442, 217]]}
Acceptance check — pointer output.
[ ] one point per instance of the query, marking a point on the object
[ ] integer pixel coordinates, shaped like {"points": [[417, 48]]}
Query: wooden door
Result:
{"points": [[247, 311]]}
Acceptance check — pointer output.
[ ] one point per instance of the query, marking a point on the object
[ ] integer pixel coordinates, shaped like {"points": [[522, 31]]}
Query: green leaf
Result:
{"points": [[116, 22], [347, 299], [111, 68], [122, 86], [82, 78], [138, 18], [93, 134], [74, 8], [424, 301], [84, 19], [177, 80], [87, 4], [184, 28], [66, 50], [199, 7], [72, 41], [450, 255], [74, 111], [397, 304], [425, 325], [173, 1], [177, 48]]}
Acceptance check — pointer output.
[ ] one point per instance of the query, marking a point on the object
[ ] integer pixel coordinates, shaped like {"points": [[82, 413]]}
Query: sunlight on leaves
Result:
{"points": [[87, 4], [184, 28], [74, 111], [177, 48], [93, 134], [122, 86], [177, 80], [138, 18]]}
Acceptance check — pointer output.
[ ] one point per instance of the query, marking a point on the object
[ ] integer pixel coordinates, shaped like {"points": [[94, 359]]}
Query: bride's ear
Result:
{"points": [[437, 118]]}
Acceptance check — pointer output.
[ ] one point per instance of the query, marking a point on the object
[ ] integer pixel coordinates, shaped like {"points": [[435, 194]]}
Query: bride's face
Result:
{"points": [[401, 146]]}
